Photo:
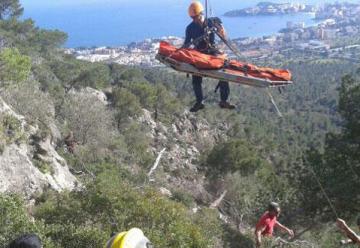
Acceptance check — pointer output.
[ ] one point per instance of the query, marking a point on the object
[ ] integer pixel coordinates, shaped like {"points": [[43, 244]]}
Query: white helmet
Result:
{"points": [[134, 238]]}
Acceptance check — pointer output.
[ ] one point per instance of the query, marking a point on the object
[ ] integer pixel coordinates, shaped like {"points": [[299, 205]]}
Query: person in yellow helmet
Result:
{"points": [[134, 238], [195, 9], [196, 36]]}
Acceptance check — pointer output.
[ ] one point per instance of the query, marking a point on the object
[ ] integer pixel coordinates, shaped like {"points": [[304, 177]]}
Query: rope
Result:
{"points": [[206, 9], [274, 103], [353, 170], [324, 192], [311, 170], [210, 9]]}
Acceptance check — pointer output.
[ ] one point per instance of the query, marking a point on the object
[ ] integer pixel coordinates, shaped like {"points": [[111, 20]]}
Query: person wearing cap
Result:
{"points": [[353, 237], [194, 31], [26, 241], [134, 238], [268, 222]]}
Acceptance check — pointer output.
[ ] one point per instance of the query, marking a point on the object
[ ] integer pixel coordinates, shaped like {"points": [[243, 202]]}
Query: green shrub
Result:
{"points": [[14, 221], [126, 105], [44, 167], [15, 67], [183, 197], [138, 144], [131, 75], [234, 239], [10, 130], [32, 103], [112, 200], [233, 156], [145, 92], [70, 236]]}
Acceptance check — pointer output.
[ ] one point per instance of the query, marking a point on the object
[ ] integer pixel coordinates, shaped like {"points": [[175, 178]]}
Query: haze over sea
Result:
{"points": [[119, 22]]}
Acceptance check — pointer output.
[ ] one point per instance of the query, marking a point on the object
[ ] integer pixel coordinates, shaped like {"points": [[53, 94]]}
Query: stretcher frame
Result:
{"points": [[222, 74]]}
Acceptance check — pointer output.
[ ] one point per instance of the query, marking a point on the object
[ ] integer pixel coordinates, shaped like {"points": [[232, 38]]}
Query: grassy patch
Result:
{"points": [[10, 130], [44, 167]]}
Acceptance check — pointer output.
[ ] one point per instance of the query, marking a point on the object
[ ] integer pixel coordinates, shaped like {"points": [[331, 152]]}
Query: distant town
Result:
{"points": [[269, 8], [336, 22]]}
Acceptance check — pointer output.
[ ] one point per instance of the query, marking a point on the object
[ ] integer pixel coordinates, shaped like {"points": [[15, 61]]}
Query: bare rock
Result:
{"points": [[101, 96], [165, 192], [60, 178], [19, 173], [55, 134], [185, 138]]}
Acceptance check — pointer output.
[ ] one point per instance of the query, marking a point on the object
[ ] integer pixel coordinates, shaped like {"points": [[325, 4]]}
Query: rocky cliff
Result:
{"points": [[28, 163], [184, 141]]}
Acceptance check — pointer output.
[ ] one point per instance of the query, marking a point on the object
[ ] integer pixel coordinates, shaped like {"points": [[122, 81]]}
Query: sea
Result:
{"points": [[113, 23]]}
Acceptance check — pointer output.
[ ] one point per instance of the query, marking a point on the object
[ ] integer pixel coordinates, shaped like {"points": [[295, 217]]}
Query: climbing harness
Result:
{"points": [[215, 30]]}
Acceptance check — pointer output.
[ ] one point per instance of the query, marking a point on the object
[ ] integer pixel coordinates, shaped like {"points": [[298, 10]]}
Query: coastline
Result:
{"points": [[91, 27], [178, 38], [296, 36], [272, 9]]}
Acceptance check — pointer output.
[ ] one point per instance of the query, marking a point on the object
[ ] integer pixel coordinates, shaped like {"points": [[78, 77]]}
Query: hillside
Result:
{"points": [[79, 143]]}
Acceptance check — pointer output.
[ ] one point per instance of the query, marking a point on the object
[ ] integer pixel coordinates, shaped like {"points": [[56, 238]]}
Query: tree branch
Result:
{"points": [[217, 202], [156, 163]]}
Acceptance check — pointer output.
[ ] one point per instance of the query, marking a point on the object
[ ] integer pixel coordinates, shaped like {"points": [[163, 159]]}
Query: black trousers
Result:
{"points": [[197, 86]]}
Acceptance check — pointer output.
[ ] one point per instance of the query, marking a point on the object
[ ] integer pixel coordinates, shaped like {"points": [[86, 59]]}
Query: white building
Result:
{"points": [[330, 34]]}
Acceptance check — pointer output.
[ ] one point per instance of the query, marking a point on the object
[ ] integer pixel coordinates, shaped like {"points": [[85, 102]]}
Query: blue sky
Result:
{"points": [[31, 3], [54, 3], [65, 2]]}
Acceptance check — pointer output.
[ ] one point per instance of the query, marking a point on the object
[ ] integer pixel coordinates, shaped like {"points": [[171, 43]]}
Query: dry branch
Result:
{"points": [[156, 163]]}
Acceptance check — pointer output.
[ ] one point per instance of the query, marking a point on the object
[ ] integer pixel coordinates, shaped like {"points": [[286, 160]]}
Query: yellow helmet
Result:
{"points": [[195, 9], [134, 238]]}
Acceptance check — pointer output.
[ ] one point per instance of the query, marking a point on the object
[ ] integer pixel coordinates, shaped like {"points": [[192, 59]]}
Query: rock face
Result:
{"points": [[88, 91], [19, 173], [184, 141]]}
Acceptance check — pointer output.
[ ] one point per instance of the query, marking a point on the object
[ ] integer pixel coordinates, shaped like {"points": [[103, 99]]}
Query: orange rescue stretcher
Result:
{"points": [[218, 67]]}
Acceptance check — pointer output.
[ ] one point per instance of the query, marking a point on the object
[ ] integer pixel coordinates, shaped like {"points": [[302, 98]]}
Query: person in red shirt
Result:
{"points": [[268, 222]]}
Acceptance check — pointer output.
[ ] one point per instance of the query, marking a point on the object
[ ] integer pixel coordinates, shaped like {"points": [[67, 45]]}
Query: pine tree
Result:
{"points": [[10, 9]]}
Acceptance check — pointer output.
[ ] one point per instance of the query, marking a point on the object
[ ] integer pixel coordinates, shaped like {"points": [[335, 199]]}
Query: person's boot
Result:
{"points": [[226, 105], [197, 106]]}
